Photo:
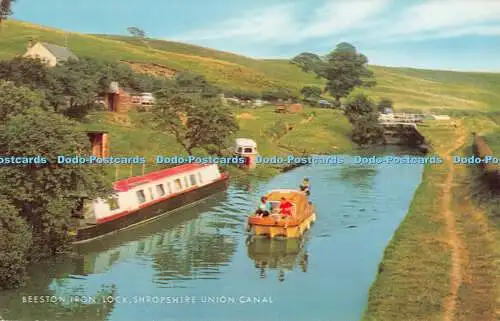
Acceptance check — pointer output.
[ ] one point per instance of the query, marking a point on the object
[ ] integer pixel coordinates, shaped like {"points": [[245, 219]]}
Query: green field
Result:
{"points": [[409, 88], [311, 131]]}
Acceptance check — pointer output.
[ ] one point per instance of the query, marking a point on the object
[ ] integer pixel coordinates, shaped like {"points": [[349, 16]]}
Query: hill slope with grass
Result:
{"points": [[408, 88], [323, 131]]}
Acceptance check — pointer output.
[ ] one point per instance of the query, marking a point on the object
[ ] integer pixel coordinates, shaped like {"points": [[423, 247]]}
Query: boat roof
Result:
{"points": [[129, 183], [245, 142], [292, 195]]}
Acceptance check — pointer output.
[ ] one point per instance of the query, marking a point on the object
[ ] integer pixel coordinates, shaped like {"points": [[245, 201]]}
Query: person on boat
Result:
{"points": [[264, 207], [286, 210], [285, 207], [306, 186]]}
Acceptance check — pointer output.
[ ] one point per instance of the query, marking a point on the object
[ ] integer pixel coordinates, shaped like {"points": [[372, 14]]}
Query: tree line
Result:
{"points": [[344, 69]]}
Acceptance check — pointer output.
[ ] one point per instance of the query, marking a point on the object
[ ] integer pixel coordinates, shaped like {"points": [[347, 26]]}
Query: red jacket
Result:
{"points": [[286, 208]]}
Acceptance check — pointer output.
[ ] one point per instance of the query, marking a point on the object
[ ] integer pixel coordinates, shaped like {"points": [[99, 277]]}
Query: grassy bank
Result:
{"points": [[413, 279], [416, 282], [313, 130]]}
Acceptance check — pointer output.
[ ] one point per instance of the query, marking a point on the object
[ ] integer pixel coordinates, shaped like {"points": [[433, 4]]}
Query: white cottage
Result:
{"points": [[50, 53]]}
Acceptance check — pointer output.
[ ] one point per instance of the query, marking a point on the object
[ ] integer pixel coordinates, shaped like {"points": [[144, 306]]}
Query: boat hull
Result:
{"points": [[278, 230], [91, 232]]}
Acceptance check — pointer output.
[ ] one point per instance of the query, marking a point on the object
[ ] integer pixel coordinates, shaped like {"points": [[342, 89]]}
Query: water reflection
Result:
{"points": [[49, 296], [359, 176], [177, 246], [280, 255], [243, 183]]}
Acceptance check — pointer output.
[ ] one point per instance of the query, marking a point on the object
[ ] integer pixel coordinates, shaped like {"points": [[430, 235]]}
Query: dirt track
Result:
{"points": [[454, 240]]}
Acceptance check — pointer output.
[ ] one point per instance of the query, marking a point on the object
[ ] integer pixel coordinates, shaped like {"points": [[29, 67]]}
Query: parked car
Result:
{"points": [[325, 103]]}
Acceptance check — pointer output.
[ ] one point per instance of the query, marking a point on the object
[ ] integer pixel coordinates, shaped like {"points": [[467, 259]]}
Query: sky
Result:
{"points": [[434, 34]]}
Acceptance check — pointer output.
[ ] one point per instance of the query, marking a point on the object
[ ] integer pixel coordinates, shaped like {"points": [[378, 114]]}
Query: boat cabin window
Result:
{"points": [[113, 203], [186, 182], [178, 185], [169, 186], [160, 190], [151, 196], [141, 196], [199, 178], [248, 150], [240, 150], [275, 206], [192, 178]]}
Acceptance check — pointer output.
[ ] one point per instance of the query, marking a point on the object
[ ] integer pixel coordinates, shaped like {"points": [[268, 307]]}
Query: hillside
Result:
{"points": [[409, 88], [322, 132]]}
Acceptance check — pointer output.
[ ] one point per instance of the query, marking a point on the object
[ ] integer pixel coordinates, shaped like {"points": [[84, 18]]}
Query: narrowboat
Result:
{"points": [[143, 198], [302, 215]]}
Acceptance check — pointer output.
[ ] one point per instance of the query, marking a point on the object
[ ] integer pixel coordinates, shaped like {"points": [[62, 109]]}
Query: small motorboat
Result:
{"points": [[302, 214]]}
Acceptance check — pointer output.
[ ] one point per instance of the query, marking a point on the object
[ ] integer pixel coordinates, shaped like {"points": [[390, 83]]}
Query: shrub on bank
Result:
{"points": [[15, 242]]}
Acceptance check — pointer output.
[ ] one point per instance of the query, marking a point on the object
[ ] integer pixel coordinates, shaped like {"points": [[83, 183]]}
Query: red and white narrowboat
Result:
{"points": [[142, 198]]}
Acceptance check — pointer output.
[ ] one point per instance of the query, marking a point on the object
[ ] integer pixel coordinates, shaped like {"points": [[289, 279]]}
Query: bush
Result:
{"points": [[15, 242], [278, 129], [242, 94], [311, 102], [336, 104], [361, 113], [311, 92], [279, 94]]}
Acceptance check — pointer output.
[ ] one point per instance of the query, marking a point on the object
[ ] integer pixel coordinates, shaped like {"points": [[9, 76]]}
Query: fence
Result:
{"points": [[401, 118]]}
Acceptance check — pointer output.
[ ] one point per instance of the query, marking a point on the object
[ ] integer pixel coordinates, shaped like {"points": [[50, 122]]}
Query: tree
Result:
{"points": [[46, 194], [195, 121], [34, 74], [362, 114], [242, 94], [14, 100], [191, 83], [5, 10], [72, 86], [344, 70], [77, 87], [28, 72], [311, 92], [384, 103], [139, 34], [308, 62], [136, 32], [15, 242]]}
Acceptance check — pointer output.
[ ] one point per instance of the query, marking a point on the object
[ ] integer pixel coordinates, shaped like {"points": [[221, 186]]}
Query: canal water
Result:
{"points": [[199, 264]]}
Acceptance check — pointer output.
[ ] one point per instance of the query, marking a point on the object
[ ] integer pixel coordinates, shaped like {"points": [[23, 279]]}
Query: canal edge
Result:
{"points": [[454, 239]]}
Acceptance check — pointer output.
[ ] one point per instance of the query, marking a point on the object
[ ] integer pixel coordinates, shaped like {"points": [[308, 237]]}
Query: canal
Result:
{"points": [[198, 264]]}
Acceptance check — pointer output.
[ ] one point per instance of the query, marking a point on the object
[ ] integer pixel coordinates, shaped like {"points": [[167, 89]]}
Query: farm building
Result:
{"points": [[50, 53], [288, 108], [118, 99], [99, 142]]}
